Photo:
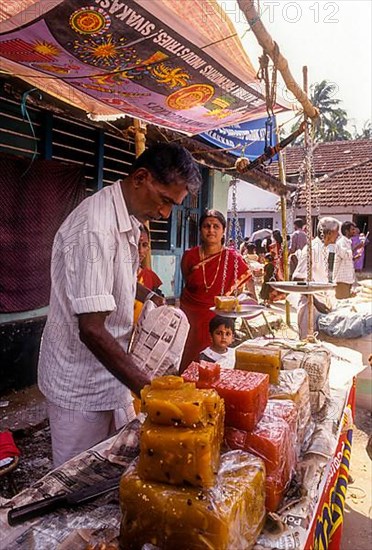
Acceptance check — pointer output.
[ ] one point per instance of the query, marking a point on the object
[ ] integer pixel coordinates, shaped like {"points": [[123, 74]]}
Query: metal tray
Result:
{"points": [[301, 287]]}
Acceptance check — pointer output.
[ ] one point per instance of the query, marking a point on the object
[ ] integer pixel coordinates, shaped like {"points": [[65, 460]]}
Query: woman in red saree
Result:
{"points": [[208, 271]]}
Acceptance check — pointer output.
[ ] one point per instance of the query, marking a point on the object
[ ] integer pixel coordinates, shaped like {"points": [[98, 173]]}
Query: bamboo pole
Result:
{"points": [[139, 129], [272, 49]]}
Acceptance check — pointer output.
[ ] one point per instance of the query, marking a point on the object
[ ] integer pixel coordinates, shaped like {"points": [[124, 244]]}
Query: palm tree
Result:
{"points": [[331, 125], [366, 132]]}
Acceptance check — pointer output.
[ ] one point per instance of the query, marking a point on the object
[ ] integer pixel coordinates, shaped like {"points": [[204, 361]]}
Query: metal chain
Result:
{"points": [[238, 237]]}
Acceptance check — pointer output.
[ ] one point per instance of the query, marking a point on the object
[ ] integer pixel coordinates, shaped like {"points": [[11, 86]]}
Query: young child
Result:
{"points": [[221, 330]]}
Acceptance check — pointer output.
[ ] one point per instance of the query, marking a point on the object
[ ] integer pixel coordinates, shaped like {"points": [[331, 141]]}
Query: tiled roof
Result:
{"points": [[349, 186], [328, 157]]}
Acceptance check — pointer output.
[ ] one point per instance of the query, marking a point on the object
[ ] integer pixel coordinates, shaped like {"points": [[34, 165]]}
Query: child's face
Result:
{"points": [[222, 337]]}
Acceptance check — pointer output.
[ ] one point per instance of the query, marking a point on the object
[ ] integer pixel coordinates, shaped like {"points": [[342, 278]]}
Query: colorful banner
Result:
{"points": [[245, 139], [160, 61]]}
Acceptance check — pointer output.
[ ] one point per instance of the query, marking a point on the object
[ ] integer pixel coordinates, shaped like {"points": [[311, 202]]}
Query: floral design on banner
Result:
{"points": [[192, 96], [90, 20], [105, 51]]}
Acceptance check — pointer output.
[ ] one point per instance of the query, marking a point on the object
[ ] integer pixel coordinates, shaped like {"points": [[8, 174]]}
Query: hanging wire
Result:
{"points": [[26, 115]]}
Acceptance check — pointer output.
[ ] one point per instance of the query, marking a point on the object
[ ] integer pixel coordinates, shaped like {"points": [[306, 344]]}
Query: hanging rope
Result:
{"points": [[25, 115]]}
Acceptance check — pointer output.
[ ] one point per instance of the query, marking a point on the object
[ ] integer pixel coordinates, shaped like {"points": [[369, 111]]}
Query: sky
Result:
{"points": [[333, 39]]}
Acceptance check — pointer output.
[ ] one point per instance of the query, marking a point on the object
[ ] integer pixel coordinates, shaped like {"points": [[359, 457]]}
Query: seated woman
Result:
{"points": [[209, 270]]}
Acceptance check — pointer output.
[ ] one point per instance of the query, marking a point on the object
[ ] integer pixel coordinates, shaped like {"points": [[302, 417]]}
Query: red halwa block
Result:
{"points": [[275, 489], [272, 441], [208, 372], [245, 394], [286, 410]]}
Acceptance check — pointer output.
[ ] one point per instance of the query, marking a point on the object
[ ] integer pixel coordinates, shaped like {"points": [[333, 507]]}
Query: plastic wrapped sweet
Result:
{"points": [[271, 440], [254, 358], [316, 360], [171, 401], [294, 385], [227, 303], [245, 394], [177, 454], [229, 515]]}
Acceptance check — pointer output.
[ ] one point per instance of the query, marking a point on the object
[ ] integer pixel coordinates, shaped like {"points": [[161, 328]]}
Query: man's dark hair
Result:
{"points": [[346, 226], [251, 248], [212, 214], [218, 320], [298, 223], [269, 257], [169, 162]]}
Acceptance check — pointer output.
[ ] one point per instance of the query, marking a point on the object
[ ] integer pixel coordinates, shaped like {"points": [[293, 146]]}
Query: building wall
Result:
{"points": [[249, 218]]}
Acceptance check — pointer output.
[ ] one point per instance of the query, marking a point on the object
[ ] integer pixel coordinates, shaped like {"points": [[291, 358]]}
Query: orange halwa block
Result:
{"points": [[229, 515], [227, 303], [245, 394], [176, 455], [255, 358], [175, 402]]}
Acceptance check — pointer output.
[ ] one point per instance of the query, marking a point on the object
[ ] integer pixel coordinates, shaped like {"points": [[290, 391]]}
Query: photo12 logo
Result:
{"points": [[270, 11]]}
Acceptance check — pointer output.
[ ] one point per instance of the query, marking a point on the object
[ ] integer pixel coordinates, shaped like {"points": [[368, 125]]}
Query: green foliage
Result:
{"points": [[332, 122]]}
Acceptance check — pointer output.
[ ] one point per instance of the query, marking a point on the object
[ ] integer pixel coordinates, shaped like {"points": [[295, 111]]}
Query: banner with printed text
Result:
{"points": [[171, 63], [247, 139]]}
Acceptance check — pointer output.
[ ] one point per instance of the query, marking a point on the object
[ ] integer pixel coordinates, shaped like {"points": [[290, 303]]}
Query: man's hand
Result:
{"points": [[108, 351]]}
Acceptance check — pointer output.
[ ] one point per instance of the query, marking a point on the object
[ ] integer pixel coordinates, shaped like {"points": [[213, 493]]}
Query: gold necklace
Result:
{"points": [[207, 287]]}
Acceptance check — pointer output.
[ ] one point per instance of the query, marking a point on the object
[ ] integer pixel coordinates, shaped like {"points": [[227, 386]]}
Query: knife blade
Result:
{"points": [[49, 504]]}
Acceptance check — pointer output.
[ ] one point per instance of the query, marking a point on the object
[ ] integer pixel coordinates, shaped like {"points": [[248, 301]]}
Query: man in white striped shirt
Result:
{"points": [[85, 371]]}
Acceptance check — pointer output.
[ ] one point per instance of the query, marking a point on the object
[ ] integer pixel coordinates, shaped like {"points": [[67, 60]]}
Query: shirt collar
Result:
{"points": [[126, 222]]}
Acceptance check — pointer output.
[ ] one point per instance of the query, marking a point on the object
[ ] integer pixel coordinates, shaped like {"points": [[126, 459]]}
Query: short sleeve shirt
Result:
{"points": [[94, 269]]}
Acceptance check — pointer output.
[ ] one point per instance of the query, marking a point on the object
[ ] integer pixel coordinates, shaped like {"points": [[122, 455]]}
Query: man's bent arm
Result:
{"points": [[108, 351]]}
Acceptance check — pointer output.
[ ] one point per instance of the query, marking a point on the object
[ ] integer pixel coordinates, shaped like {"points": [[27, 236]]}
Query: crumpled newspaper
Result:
{"points": [[159, 339]]}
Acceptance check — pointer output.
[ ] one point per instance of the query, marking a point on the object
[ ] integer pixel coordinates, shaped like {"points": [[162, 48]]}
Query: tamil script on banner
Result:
{"points": [[245, 139], [177, 64]]}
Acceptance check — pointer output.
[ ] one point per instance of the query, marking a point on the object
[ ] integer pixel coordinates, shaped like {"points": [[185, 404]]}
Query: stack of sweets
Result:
{"points": [[178, 495], [245, 393], [254, 358], [273, 439], [294, 385]]}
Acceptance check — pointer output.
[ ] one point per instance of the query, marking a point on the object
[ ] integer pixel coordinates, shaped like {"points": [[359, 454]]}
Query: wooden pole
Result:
{"points": [[272, 49], [283, 211], [310, 298], [139, 129]]}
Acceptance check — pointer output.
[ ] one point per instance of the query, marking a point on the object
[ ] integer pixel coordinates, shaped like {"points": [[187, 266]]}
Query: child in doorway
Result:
{"points": [[221, 331]]}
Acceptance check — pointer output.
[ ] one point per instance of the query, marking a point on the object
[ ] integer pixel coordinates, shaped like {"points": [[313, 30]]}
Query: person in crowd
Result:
{"points": [[269, 275], [209, 270], [260, 250], [344, 272], [85, 370], [327, 233], [145, 276], [358, 243], [243, 246], [251, 253], [276, 250], [297, 242], [221, 332]]}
